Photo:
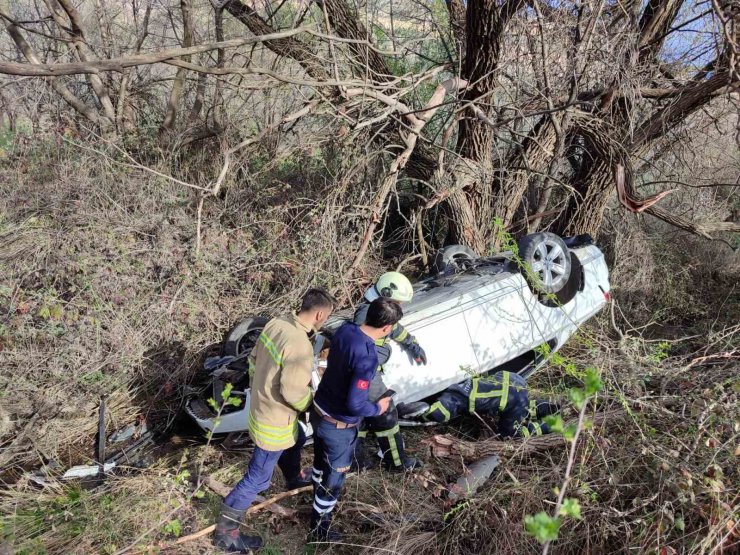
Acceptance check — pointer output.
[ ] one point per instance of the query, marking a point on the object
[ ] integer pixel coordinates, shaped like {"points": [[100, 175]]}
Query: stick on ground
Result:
{"points": [[253, 509]]}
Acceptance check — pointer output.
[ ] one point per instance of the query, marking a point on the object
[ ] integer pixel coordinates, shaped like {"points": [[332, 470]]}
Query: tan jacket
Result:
{"points": [[282, 361]]}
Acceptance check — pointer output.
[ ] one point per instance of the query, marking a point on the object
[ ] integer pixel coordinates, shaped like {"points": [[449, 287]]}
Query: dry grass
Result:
{"points": [[102, 293]]}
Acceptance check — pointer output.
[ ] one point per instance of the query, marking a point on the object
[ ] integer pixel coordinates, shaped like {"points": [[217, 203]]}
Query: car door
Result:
{"points": [[505, 321]]}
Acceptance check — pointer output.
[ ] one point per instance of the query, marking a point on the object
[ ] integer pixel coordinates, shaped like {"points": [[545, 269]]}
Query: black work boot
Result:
{"points": [[412, 410], [408, 464], [300, 481], [361, 460], [228, 537], [321, 530], [546, 408], [393, 445]]}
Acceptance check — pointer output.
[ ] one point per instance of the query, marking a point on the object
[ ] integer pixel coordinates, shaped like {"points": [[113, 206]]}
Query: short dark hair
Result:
{"points": [[316, 298], [383, 312]]}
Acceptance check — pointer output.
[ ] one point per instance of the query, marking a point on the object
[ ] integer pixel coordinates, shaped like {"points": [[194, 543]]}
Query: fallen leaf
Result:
{"points": [[731, 525]]}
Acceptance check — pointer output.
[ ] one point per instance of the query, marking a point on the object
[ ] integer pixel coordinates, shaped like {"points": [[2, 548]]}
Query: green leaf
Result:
{"points": [[212, 403], [56, 312], [679, 524], [173, 527], [226, 393], [45, 312], [570, 432], [577, 397], [571, 507], [555, 422], [542, 526], [234, 402], [592, 381]]}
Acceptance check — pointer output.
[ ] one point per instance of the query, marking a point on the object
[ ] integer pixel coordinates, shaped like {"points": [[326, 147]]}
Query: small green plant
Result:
{"points": [[542, 526], [173, 527], [227, 399], [660, 352], [455, 510]]}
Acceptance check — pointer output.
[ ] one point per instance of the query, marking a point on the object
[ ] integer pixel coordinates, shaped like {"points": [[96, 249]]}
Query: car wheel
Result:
{"points": [[545, 262], [571, 287], [242, 338], [453, 258]]}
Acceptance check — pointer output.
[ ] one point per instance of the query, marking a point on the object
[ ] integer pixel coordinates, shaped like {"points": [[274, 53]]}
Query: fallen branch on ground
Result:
{"points": [[262, 502], [445, 445], [267, 503]]}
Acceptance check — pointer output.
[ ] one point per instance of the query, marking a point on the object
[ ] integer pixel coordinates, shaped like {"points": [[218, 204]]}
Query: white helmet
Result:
{"points": [[392, 285]]}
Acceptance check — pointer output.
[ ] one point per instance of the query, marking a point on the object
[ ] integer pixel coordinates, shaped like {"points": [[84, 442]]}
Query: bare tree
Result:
{"points": [[562, 105]]}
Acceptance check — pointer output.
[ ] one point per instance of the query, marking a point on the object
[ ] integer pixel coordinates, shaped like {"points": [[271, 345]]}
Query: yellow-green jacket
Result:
{"points": [[281, 363]]}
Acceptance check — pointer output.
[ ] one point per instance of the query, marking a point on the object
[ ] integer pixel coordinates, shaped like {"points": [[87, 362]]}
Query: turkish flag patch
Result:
{"points": [[363, 384]]}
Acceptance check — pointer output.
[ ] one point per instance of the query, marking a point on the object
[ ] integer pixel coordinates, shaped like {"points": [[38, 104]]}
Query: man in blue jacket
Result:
{"points": [[396, 287], [340, 404]]}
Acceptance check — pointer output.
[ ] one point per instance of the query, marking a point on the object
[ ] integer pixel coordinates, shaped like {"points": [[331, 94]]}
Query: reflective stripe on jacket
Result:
{"points": [[282, 361], [399, 334]]}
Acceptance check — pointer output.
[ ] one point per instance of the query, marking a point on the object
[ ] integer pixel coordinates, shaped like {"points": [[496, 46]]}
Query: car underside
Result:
{"points": [[474, 315]]}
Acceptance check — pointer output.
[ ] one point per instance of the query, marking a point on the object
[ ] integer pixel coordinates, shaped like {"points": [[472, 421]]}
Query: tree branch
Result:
{"points": [[37, 69], [417, 123], [61, 89]]}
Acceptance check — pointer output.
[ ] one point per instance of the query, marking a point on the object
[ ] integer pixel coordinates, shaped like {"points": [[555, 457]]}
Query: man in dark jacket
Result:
{"points": [[396, 287], [340, 404]]}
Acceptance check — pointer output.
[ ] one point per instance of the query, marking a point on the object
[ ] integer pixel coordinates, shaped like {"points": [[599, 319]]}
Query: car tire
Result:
{"points": [[452, 258], [242, 338], [571, 287], [545, 262]]}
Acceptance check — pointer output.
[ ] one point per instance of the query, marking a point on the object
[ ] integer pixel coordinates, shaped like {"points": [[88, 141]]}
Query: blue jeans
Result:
{"points": [[333, 450], [259, 472]]}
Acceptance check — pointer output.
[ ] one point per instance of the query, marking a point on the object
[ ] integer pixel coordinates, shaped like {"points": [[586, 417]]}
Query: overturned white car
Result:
{"points": [[475, 315]]}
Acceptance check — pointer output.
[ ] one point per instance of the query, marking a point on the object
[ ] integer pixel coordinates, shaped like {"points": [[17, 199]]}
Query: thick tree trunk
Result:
{"points": [[345, 23], [531, 161], [84, 53], [173, 103], [465, 228], [484, 28], [61, 89], [585, 208], [289, 47], [476, 204]]}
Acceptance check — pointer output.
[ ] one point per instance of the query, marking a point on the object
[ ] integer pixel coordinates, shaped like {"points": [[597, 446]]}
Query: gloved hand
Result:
{"points": [[418, 354]]}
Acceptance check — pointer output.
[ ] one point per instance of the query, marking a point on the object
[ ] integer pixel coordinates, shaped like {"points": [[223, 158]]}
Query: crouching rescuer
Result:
{"points": [[504, 394], [395, 287], [280, 366]]}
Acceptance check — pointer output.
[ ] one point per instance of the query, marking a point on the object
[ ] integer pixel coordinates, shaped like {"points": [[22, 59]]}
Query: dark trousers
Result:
{"points": [[333, 450], [384, 427], [517, 416], [259, 472]]}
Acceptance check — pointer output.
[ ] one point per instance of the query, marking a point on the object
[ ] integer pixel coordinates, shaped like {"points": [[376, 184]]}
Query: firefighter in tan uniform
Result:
{"points": [[281, 363]]}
